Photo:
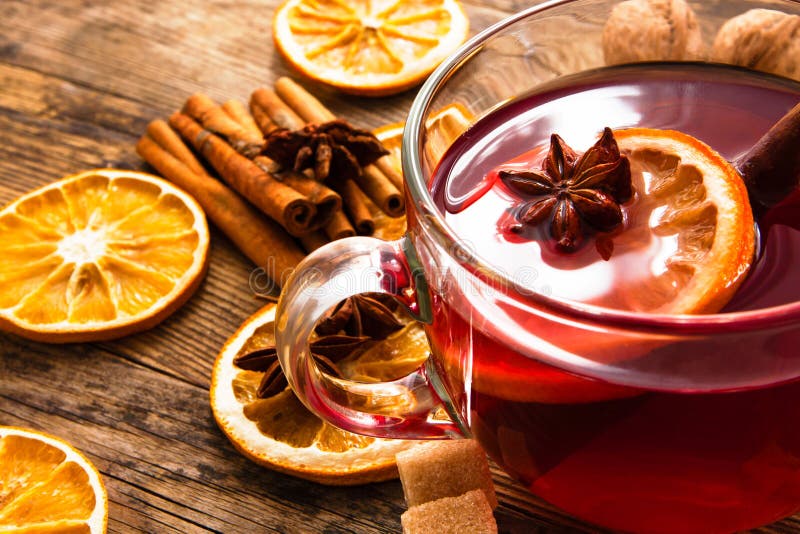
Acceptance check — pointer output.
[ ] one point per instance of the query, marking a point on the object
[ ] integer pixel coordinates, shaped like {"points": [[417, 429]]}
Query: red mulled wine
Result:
{"points": [[637, 459]]}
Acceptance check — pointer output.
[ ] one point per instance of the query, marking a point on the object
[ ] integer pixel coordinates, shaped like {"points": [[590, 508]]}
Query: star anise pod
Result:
{"points": [[333, 148], [349, 326], [327, 351], [576, 193], [361, 315]]}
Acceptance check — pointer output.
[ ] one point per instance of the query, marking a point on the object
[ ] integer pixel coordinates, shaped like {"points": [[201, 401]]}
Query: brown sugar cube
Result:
{"points": [[469, 512], [446, 468]]}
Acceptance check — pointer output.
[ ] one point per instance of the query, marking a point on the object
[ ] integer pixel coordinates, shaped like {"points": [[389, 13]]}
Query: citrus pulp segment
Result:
{"points": [[368, 47], [98, 255], [48, 486]]}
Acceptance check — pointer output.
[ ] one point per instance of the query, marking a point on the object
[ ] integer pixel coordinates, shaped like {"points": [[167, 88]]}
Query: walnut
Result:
{"points": [[652, 30], [761, 39]]}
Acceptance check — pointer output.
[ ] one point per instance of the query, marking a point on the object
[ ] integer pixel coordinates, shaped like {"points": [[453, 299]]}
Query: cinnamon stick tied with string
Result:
{"points": [[285, 205], [259, 238]]}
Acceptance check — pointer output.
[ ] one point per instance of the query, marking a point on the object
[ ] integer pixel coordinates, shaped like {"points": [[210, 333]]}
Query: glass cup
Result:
{"points": [[633, 421]]}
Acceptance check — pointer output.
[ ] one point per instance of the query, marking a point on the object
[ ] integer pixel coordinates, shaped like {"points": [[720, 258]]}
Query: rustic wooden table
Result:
{"points": [[79, 81]]}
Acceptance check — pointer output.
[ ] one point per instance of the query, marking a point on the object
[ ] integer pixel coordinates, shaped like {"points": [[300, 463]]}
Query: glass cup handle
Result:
{"points": [[403, 408]]}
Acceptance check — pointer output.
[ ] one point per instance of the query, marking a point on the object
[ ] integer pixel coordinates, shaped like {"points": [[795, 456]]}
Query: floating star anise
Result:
{"points": [[333, 148], [576, 193], [349, 326]]}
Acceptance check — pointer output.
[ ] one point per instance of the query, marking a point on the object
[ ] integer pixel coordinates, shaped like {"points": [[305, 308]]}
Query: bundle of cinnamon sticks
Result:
{"points": [[273, 214]]}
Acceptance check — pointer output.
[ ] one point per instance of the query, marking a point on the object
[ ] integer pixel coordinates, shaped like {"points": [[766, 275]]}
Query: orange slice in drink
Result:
{"points": [[47, 486], [280, 433], [98, 255], [698, 200], [692, 198], [373, 48]]}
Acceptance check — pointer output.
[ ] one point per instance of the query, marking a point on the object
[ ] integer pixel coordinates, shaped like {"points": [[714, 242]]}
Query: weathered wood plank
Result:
{"points": [[155, 439]]}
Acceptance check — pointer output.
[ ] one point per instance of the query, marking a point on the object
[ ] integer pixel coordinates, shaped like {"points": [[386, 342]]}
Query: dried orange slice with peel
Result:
{"points": [[443, 127], [98, 255], [391, 136], [47, 486], [280, 433], [389, 228], [368, 47]]}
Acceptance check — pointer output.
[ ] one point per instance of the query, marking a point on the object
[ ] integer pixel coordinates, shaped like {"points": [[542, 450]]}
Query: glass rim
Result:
{"points": [[444, 234]]}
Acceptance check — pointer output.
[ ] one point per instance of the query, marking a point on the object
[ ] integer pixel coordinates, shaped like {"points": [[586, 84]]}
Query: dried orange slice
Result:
{"points": [[697, 200], [47, 486], [442, 128], [98, 255], [389, 228], [368, 47], [280, 433], [391, 136]]}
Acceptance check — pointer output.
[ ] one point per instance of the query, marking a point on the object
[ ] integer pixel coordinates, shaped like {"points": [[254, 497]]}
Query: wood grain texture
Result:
{"points": [[79, 81]]}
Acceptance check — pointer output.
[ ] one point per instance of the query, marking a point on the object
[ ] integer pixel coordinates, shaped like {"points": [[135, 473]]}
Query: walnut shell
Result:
{"points": [[761, 39], [652, 30]]}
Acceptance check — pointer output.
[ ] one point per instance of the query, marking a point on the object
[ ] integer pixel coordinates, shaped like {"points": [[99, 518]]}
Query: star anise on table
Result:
{"points": [[351, 325], [577, 194], [333, 148]]}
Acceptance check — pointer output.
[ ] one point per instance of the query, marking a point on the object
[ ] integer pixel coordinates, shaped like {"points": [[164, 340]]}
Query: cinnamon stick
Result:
{"points": [[285, 117], [259, 238], [386, 166], [306, 105], [265, 123], [214, 119], [238, 112], [160, 132], [381, 191], [267, 102], [324, 198], [771, 168], [378, 187], [314, 240], [355, 204], [262, 118], [283, 204], [339, 227]]}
